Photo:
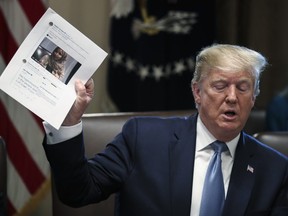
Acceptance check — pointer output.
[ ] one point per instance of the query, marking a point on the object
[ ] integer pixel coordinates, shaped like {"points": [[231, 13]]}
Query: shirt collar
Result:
{"points": [[205, 138]]}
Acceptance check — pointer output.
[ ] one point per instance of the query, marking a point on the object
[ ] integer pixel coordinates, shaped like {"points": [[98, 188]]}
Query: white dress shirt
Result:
{"points": [[203, 154], [64, 133]]}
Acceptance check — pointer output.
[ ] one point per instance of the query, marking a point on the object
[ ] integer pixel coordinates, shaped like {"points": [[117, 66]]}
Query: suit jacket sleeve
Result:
{"points": [[80, 181]]}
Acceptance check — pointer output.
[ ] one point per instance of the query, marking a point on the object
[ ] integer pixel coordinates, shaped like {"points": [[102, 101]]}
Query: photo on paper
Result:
{"points": [[45, 85], [55, 60]]}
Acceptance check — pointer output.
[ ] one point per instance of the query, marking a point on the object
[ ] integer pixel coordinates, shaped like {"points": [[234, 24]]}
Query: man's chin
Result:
{"points": [[231, 128]]}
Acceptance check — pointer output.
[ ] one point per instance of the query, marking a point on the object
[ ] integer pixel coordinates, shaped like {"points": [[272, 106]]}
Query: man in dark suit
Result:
{"points": [[157, 166]]}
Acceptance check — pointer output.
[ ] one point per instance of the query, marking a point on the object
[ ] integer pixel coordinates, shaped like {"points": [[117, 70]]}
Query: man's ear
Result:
{"points": [[253, 101], [196, 92]]}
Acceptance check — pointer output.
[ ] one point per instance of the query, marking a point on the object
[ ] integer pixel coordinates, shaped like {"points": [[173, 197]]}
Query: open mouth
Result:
{"points": [[230, 113]]}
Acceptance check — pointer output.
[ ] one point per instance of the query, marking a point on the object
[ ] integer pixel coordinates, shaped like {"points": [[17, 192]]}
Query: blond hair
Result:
{"points": [[230, 58]]}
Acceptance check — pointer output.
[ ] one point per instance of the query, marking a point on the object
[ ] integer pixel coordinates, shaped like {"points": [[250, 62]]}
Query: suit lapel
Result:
{"points": [[242, 178], [182, 150]]}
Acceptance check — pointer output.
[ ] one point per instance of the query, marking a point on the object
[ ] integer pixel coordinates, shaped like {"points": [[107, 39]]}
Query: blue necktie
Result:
{"points": [[213, 195]]}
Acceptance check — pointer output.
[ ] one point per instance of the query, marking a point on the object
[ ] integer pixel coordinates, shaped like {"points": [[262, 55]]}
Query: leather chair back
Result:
{"points": [[3, 178], [100, 128], [256, 122], [275, 139]]}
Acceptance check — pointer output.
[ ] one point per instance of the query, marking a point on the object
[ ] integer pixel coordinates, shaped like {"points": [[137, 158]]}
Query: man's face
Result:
{"points": [[225, 100]]}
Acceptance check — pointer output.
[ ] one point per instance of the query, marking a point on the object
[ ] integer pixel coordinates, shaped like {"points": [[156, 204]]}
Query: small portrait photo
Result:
{"points": [[56, 60]]}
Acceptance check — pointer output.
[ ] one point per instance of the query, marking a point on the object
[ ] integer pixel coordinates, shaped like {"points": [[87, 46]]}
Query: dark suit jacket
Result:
{"points": [[150, 167]]}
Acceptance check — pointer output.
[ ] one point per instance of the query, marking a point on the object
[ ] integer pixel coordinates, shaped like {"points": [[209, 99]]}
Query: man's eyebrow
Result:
{"points": [[218, 80], [245, 80]]}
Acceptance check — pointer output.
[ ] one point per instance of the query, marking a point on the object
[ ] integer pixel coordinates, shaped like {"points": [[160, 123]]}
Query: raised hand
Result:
{"points": [[85, 94]]}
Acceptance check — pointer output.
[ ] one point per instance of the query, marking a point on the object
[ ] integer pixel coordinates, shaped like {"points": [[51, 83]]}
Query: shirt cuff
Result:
{"points": [[64, 133]]}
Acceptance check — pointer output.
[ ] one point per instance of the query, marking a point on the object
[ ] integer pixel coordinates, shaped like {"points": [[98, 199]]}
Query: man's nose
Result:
{"points": [[231, 95]]}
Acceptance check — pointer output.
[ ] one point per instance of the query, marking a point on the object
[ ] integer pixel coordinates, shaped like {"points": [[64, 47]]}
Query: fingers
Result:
{"points": [[85, 92], [90, 83], [84, 96], [80, 89], [90, 88]]}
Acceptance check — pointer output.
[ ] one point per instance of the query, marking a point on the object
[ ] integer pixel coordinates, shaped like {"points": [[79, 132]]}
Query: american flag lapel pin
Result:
{"points": [[250, 168]]}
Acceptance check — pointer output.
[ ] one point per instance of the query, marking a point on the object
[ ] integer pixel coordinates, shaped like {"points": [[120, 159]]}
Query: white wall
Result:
{"points": [[91, 17]]}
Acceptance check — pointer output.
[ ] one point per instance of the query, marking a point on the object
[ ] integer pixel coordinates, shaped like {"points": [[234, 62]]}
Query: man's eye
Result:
{"points": [[244, 87], [219, 86]]}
